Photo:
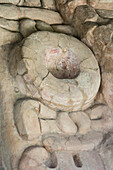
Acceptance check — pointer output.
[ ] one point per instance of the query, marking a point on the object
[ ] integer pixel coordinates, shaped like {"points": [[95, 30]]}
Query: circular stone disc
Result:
{"points": [[63, 70]]}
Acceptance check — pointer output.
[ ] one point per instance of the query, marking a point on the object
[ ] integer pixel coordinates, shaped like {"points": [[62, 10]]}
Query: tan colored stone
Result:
{"points": [[82, 120], [105, 13], [101, 4], [34, 158], [15, 2], [60, 88], [107, 85], [9, 25], [96, 112], [49, 126], [26, 119], [67, 8], [105, 123], [66, 29], [46, 113], [72, 143], [7, 37], [43, 26], [27, 27], [66, 124], [49, 4], [34, 3], [106, 150], [15, 13]]}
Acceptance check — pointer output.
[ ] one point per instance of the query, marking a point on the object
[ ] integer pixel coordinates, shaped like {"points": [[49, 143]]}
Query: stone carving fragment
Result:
{"points": [[63, 72]]}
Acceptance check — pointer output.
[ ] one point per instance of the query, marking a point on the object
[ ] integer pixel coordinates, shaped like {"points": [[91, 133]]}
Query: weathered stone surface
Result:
{"points": [[101, 4], [43, 26], [105, 122], [85, 17], [96, 112], [105, 13], [71, 81], [66, 124], [82, 120], [46, 113], [49, 4], [49, 126], [7, 37], [106, 151], [66, 29], [15, 13], [72, 143], [27, 27], [107, 84], [15, 2], [34, 158], [67, 8], [34, 3], [9, 25], [26, 119]]}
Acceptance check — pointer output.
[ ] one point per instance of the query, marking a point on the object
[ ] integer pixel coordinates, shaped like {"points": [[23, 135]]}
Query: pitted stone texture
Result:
{"points": [[66, 124], [27, 27], [101, 4], [26, 119], [16, 13], [39, 53], [67, 8], [82, 120]]}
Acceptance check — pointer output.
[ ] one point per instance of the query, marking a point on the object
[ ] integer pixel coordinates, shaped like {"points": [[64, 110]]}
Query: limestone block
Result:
{"points": [[43, 26], [15, 13], [27, 27], [46, 113], [82, 120], [34, 158], [66, 124], [15, 2], [7, 37], [66, 29], [49, 126], [9, 25], [101, 4], [26, 119], [71, 81], [72, 143], [96, 112]]}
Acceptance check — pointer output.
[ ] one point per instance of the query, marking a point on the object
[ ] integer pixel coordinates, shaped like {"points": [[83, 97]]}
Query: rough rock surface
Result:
{"points": [[70, 82], [47, 80]]}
